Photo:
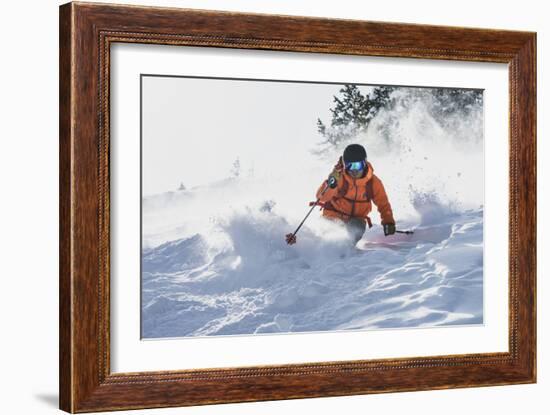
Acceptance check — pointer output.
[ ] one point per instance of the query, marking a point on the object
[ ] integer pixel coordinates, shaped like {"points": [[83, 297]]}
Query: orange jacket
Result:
{"points": [[349, 198]]}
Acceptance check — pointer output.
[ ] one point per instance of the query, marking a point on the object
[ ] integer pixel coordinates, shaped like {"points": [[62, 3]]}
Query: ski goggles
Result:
{"points": [[356, 165]]}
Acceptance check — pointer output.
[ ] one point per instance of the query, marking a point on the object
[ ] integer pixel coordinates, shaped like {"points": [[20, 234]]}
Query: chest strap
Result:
{"points": [[329, 206], [369, 193]]}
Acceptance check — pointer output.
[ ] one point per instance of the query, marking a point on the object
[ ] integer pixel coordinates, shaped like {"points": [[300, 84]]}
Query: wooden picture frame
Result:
{"points": [[86, 33]]}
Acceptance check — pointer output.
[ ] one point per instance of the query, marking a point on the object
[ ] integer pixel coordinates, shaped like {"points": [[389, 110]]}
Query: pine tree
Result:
{"points": [[450, 101], [352, 113]]}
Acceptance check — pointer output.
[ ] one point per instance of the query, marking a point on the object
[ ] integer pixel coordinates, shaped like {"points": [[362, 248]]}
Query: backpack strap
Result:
{"points": [[344, 189], [369, 222], [369, 192]]}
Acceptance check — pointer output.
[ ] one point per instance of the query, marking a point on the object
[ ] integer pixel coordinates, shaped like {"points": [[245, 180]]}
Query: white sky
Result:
{"points": [[195, 128]]}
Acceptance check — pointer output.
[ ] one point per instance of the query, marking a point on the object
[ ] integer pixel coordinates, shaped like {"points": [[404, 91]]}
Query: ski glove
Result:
{"points": [[336, 174], [339, 166], [389, 229]]}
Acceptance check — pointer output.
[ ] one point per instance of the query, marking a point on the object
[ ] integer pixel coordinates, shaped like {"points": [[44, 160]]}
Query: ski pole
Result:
{"points": [[407, 232], [291, 237]]}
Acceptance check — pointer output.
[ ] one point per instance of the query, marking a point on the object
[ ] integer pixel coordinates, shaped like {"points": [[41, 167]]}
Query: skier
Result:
{"points": [[347, 194]]}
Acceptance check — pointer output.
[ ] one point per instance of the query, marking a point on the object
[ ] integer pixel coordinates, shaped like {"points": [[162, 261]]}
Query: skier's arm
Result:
{"points": [[381, 201]]}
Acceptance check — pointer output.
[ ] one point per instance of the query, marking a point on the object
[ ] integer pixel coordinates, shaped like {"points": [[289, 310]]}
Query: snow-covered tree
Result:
{"points": [[236, 168], [352, 113]]}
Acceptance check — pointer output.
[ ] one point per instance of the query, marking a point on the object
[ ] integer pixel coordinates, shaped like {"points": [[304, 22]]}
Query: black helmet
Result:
{"points": [[354, 152]]}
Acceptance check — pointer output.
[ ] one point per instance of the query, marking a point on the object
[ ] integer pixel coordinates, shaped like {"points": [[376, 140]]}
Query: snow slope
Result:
{"points": [[240, 277]]}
